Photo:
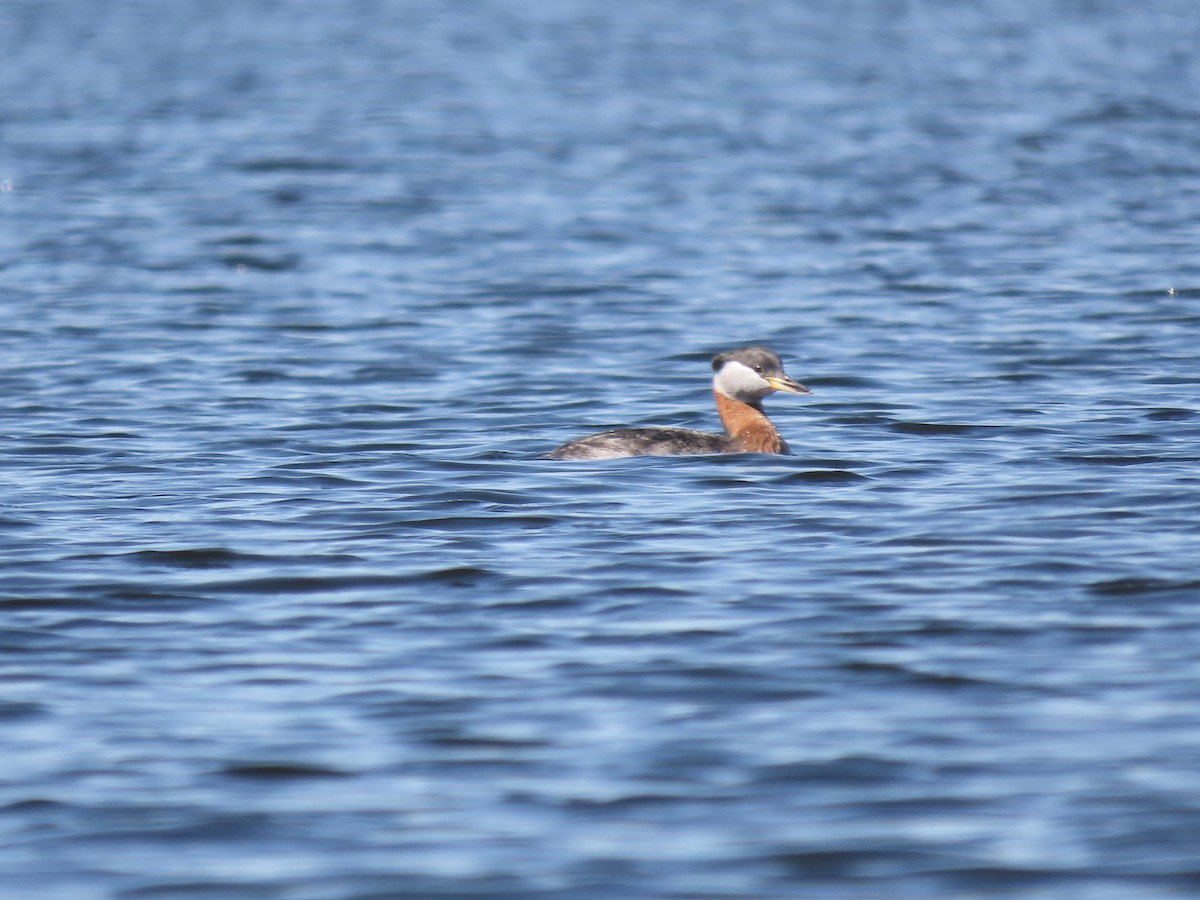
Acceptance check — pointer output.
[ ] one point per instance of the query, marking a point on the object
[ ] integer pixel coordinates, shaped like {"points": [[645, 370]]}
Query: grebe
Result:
{"points": [[741, 379]]}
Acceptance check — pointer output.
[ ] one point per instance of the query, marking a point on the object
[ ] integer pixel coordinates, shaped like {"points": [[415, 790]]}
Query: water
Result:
{"points": [[296, 294]]}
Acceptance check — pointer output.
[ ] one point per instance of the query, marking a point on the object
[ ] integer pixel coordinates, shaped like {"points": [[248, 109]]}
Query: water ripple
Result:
{"points": [[295, 302]]}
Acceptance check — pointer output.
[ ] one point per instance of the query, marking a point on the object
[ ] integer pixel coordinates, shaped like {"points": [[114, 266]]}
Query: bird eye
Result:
{"points": [[758, 369]]}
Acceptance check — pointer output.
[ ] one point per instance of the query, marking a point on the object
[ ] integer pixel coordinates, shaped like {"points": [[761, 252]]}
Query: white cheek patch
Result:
{"points": [[739, 382]]}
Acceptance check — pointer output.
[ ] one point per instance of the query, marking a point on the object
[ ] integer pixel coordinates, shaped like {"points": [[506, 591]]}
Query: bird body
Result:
{"points": [[741, 378]]}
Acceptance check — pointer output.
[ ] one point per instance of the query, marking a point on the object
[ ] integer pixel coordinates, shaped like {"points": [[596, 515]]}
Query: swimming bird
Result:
{"points": [[741, 378]]}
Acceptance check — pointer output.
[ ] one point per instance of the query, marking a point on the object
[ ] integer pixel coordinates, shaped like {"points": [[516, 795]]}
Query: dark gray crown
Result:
{"points": [[760, 359]]}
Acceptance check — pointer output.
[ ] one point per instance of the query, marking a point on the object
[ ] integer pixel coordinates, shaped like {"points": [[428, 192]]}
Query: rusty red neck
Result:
{"points": [[748, 428]]}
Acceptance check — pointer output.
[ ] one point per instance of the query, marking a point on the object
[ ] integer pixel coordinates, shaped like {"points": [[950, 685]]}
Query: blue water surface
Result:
{"points": [[295, 297]]}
